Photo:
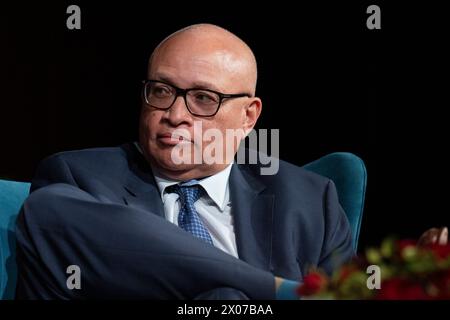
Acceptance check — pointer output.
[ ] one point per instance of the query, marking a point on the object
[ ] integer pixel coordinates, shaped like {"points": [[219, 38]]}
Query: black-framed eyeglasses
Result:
{"points": [[200, 102]]}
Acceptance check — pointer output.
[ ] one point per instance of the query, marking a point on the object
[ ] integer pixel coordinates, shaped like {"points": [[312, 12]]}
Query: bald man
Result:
{"points": [[152, 220]]}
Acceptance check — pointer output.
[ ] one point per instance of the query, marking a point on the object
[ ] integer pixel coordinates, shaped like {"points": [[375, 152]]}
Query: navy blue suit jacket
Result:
{"points": [[100, 209]]}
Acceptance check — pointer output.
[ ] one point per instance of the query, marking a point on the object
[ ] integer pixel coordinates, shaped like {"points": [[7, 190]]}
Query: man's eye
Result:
{"points": [[161, 91], [205, 98]]}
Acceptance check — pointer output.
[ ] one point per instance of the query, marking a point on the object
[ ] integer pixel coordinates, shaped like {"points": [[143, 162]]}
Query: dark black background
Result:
{"points": [[326, 81]]}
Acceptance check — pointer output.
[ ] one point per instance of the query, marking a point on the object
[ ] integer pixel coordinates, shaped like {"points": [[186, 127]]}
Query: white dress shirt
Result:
{"points": [[214, 208]]}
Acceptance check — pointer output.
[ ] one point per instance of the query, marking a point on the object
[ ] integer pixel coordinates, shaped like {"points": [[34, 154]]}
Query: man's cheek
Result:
{"points": [[149, 124]]}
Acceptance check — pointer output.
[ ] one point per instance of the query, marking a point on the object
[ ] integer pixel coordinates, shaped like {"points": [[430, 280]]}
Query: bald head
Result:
{"points": [[206, 53], [203, 57]]}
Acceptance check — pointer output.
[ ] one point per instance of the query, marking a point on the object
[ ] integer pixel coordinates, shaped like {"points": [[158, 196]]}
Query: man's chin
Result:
{"points": [[177, 168], [171, 169]]}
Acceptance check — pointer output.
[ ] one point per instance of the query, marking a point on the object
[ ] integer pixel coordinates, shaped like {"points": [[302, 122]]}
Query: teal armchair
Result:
{"points": [[349, 174], [12, 195], [345, 169]]}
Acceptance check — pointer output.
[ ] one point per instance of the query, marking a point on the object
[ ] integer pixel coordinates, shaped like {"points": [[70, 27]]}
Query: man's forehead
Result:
{"points": [[195, 59], [189, 81], [215, 73], [207, 56]]}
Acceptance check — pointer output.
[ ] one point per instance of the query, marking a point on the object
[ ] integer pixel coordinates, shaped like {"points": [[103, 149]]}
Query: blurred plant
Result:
{"points": [[408, 272]]}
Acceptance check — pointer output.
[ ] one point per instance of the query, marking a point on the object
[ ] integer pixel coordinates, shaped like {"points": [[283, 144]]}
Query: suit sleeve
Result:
{"points": [[122, 252], [337, 246], [52, 170]]}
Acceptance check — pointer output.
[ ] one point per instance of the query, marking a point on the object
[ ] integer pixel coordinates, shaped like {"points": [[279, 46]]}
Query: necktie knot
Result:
{"points": [[189, 192], [188, 218]]}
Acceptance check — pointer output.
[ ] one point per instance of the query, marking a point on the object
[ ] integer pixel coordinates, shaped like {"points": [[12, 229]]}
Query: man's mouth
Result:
{"points": [[172, 139]]}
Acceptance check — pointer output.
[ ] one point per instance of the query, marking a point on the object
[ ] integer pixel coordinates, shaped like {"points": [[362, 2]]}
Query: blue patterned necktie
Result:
{"points": [[188, 218]]}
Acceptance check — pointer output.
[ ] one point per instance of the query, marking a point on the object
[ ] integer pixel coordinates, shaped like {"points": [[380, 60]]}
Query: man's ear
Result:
{"points": [[252, 113]]}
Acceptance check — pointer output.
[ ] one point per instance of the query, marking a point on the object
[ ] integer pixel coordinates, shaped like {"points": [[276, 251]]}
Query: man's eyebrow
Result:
{"points": [[196, 84], [204, 85]]}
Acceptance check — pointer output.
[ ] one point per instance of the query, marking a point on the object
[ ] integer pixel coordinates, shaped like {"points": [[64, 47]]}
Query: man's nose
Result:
{"points": [[178, 113]]}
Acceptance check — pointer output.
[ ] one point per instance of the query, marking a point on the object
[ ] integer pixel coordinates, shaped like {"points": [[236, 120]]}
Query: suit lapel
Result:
{"points": [[252, 208], [140, 189], [252, 211]]}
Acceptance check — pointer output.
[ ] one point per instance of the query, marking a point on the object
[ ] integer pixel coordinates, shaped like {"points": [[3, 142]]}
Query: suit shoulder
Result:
{"points": [[94, 159], [88, 153], [286, 173], [288, 169], [297, 177]]}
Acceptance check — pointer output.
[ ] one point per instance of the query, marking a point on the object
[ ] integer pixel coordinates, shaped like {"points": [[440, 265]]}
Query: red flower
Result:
{"points": [[401, 289], [415, 272], [403, 244], [441, 251], [440, 284], [313, 283], [346, 271]]}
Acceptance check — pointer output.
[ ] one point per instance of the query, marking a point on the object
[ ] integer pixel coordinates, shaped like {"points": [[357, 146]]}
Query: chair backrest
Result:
{"points": [[12, 195], [345, 169], [349, 174]]}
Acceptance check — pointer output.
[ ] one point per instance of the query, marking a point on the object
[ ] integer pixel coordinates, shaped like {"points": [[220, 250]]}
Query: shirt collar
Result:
{"points": [[216, 186]]}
